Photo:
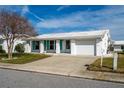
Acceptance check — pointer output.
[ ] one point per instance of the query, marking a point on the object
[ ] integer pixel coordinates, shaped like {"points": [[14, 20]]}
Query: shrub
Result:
{"points": [[19, 48], [1, 49]]}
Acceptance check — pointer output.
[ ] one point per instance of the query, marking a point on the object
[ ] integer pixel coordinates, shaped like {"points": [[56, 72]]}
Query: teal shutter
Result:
{"points": [[48, 44], [33, 45], [60, 44], [44, 44]]}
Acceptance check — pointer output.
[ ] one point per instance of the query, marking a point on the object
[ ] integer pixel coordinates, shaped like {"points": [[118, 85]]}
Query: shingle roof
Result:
{"points": [[71, 35]]}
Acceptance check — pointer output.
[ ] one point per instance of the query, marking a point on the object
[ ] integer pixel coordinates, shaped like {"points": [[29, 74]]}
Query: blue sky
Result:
{"points": [[59, 18]]}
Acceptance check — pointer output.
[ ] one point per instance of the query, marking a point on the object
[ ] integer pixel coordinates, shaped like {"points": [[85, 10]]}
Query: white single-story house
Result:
{"points": [[92, 43], [118, 46]]}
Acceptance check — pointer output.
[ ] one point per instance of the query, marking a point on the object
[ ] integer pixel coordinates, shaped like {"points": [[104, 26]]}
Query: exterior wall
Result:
{"points": [[98, 47], [58, 46], [42, 46], [28, 46], [85, 47], [102, 45], [73, 47], [106, 43], [78, 47]]}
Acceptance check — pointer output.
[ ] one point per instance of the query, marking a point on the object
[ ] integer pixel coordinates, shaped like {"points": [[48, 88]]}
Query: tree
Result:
{"points": [[13, 27]]}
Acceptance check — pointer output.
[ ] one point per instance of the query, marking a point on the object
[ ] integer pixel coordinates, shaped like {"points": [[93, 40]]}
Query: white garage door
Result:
{"points": [[85, 47]]}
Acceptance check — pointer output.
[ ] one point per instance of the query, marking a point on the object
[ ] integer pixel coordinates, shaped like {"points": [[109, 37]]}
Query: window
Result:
{"points": [[122, 47], [36, 45], [67, 44], [51, 44]]}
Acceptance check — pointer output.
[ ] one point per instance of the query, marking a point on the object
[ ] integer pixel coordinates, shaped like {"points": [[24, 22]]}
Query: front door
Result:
{"points": [[52, 45], [68, 46]]}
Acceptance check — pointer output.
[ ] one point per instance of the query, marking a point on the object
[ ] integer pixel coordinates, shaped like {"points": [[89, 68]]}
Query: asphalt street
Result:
{"points": [[21, 79]]}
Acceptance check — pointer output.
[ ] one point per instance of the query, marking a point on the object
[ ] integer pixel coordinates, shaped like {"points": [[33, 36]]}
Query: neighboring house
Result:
{"points": [[4, 43], [92, 43], [118, 46]]}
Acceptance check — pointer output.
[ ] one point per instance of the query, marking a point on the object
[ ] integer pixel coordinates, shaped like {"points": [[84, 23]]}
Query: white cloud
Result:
{"points": [[111, 17], [25, 10], [62, 7], [72, 20], [59, 23], [39, 18]]}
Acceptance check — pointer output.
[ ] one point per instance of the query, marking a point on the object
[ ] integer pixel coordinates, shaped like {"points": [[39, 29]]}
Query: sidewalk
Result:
{"points": [[105, 76]]}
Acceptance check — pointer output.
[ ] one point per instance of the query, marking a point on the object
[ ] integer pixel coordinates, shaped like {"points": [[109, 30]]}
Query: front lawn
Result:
{"points": [[107, 65], [22, 58]]}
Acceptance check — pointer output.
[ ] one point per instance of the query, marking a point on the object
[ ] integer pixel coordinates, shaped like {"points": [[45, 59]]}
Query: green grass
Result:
{"points": [[107, 65], [22, 58]]}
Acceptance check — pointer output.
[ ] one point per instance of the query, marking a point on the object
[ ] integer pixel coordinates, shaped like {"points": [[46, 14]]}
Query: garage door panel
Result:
{"points": [[85, 47]]}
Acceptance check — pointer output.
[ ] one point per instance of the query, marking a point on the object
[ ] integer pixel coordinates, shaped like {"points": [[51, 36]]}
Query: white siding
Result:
{"points": [[73, 47], [102, 44], [105, 43], [42, 46], [57, 46], [85, 47], [98, 47], [28, 47]]}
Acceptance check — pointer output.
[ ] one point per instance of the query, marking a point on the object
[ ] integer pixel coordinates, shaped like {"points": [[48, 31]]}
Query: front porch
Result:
{"points": [[51, 46]]}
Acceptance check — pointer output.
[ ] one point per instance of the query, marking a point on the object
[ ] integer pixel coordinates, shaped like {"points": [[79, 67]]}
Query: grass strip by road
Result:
{"points": [[108, 65], [22, 58]]}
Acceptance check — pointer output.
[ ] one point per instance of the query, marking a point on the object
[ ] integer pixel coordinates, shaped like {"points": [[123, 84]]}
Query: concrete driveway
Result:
{"points": [[57, 64]]}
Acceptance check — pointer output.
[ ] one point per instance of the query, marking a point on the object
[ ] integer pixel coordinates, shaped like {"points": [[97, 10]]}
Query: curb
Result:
{"points": [[69, 75], [99, 79]]}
